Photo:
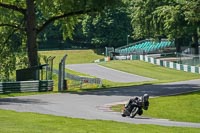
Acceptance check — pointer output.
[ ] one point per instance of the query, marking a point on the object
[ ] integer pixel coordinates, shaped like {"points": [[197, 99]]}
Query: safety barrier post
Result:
{"points": [[61, 75]]}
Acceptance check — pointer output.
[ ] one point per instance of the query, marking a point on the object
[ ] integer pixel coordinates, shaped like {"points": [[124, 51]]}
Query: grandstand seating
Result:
{"points": [[145, 46]]}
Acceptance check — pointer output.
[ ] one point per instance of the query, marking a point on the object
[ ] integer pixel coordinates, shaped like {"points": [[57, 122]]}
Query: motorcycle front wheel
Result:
{"points": [[134, 112]]}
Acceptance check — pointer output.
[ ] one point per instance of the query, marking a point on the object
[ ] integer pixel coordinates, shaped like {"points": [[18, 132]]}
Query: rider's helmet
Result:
{"points": [[145, 101], [145, 97]]}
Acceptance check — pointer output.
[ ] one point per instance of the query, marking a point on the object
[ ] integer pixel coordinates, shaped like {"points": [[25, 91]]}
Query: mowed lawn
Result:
{"points": [[15, 122], [161, 74], [185, 107], [179, 108], [163, 107], [74, 56]]}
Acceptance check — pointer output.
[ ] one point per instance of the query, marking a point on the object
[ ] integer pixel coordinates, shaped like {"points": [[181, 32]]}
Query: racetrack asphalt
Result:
{"points": [[96, 70], [95, 104]]}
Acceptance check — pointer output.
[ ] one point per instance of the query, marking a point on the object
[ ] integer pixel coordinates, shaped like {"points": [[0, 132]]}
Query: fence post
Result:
{"points": [[60, 77], [51, 67], [61, 74], [81, 83]]}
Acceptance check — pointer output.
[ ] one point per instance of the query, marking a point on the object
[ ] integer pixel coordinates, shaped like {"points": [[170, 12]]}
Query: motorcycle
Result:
{"points": [[135, 106]]}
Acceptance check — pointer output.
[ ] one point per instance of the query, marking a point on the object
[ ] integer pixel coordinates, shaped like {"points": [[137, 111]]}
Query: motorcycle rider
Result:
{"points": [[136, 102]]}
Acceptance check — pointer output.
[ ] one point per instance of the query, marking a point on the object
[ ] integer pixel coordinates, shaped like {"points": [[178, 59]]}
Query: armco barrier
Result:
{"points": [[26, 86], [168, 64], [102, 60]]}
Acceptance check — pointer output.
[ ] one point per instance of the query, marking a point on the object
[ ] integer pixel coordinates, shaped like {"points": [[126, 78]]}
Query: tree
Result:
{"points": [[30, 17], [177, 23], [144, 24], [110, 28], [174, 24], [192, 15], [175, 19]]}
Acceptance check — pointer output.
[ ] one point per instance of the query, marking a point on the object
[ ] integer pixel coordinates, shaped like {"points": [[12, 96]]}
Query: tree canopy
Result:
{"points": [[100, 23], [174, 19], [27, 18], [108, 29]]}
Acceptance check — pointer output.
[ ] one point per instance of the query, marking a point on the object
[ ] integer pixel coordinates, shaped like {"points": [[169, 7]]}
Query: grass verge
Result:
{"points": [[15, 122], [74, 56], [161, 74], [184, 107]]}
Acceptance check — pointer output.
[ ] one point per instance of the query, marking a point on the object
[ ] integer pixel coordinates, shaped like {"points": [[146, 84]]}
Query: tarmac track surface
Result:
{"points": [[107, 73], [95, 104]]}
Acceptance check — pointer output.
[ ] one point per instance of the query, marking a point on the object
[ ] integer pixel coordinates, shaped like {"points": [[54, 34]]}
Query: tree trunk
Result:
{"points": [[178, 43], [31, 33], [195, 42]]}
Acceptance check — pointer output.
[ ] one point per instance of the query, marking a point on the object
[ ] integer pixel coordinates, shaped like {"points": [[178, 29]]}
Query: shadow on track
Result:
{"points": [[152, 90], [7, 101]]}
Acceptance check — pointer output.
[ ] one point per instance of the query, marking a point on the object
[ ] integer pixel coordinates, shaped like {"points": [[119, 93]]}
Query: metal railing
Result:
{"points": [[26, 86]]}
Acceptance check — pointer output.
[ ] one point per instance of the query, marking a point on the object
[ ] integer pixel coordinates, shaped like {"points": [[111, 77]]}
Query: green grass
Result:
{"points": [[161, 74], [178, 108], [74, 56], [15, 122], [181, 108]]}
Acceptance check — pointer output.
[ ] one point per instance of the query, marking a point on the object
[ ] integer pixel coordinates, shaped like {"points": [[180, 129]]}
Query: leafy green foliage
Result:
{"points": [[110, 28], [95, 30], [171, 19], [144, 23], [192, 11], [27, 18], [12, 57]]}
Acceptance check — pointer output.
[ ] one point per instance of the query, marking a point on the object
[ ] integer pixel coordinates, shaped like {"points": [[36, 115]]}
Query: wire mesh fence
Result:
{"points": [[82, 82], [188, 59], [75, 82]]}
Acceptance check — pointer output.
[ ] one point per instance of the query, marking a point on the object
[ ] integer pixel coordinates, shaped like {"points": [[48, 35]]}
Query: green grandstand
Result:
{"points": [[144, 47]]}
